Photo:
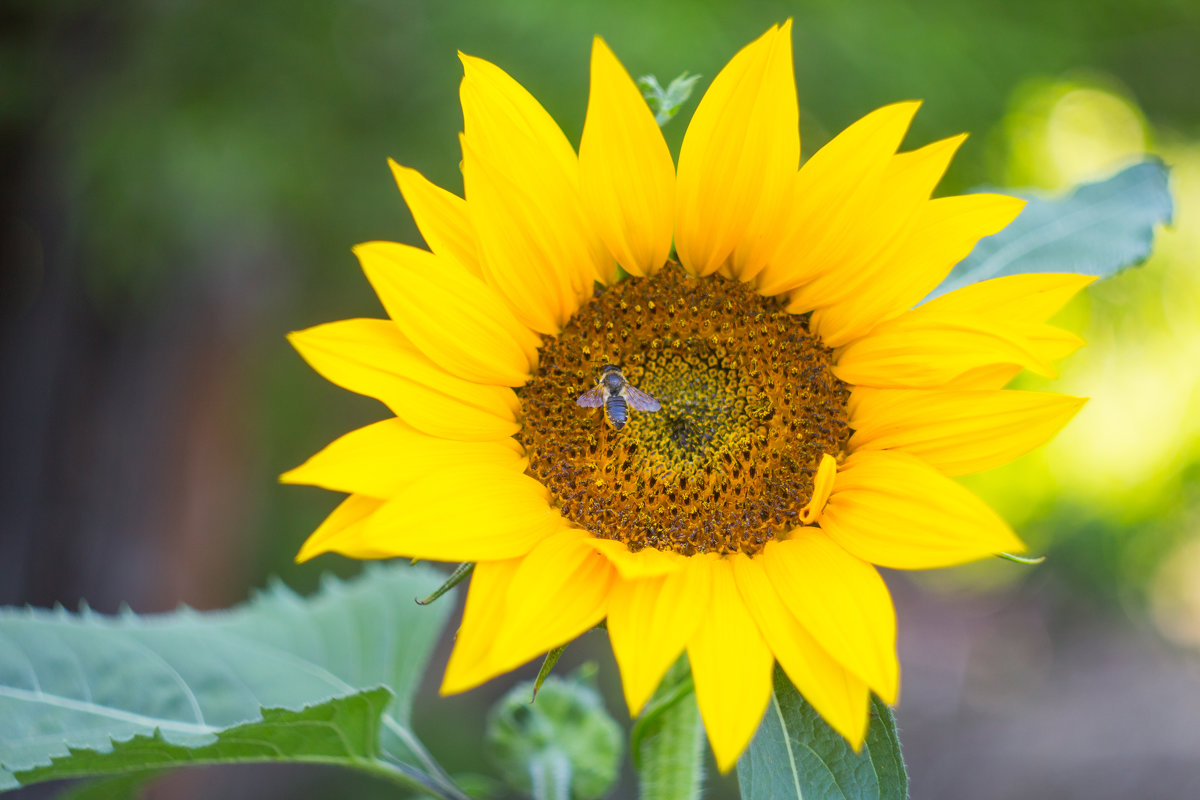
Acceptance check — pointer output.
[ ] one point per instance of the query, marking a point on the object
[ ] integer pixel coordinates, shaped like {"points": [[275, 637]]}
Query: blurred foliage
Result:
{"points": [[560, 743], [1115, 494]]}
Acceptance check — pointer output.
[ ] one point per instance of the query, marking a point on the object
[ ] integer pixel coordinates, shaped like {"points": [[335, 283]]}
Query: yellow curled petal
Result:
{"points": [[822, 486], [625, 169], [452, 515], [449, 314], [650, 620], [441, 217], [841, 601], [381, 459], [830, 195], [840, 696], [731, 666], [560, 590], [958, 431], [341, 530], [372, 357], [739, 154], [487, 599], [894, 510], [645, 563]]}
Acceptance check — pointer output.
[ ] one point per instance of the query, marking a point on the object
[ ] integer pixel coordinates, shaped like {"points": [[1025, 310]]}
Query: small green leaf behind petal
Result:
{"points": [[1026, 560], [1098, 229], [547, 664], [795, 755], [460, 573], [665, 103]]}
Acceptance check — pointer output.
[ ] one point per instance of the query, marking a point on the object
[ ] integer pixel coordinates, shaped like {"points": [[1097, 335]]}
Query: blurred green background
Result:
{"points": [[182, 183]]}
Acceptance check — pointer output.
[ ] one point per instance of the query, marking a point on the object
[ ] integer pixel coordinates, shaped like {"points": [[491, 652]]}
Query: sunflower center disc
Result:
{"points": [[749, 405]]}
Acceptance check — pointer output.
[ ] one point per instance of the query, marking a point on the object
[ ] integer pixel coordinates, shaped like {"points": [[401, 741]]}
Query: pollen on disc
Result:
{"points": [[749, 406]]}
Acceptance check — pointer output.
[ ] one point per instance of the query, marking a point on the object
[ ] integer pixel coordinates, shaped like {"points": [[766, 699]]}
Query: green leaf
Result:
{"points": [[461, 572], [667, 741], [795, 755], [1098, 229], [339, 731], [82, 682], [563, 745], [1029, 561], [544, 672], [665, 103]]}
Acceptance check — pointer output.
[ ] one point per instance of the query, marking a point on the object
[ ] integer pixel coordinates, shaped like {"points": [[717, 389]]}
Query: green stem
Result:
{"points": [[668, 741], [551, 776]]}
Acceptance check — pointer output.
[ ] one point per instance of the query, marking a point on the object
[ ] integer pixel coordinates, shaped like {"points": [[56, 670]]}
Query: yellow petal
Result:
{"points": [[731, 666], [874, 239], [650, 620], [372, 357], [1029, 297], [475, 512], [1018, 303], [958, 432], [487, 599], [739, 154], [340, 531], [645, 563], [560, 590], [829, 197], [840, 696], [923, 351], [822, 486], [540, 293], [521, 179], [945, 232], [625, 169], [449, 314], [895, 510], [766, 230], [993, 376], [841, 601], [381, 459], [441, 216]]}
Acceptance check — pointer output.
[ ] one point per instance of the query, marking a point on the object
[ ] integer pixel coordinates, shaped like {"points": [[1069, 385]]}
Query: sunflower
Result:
{"points": [[813, 411]]}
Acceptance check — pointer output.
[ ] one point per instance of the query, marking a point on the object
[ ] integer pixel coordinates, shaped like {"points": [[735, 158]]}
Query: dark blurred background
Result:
{"points": [[181, 183]]}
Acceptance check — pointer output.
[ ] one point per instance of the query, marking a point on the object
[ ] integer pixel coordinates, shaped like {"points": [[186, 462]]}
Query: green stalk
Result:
{"points": [[550, 774], [667, 741]]}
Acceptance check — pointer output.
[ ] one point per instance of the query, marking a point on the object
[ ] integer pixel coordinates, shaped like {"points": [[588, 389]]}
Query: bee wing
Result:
{"points": [[640, 401], [592, 398]]}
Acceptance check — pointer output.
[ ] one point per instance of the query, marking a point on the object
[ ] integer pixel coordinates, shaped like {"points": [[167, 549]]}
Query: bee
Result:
{"points": [[616, 396]]}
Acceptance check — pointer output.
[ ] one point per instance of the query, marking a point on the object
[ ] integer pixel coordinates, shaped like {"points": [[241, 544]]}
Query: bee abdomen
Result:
{"points": [[616, 412]]}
